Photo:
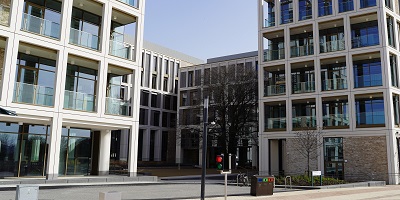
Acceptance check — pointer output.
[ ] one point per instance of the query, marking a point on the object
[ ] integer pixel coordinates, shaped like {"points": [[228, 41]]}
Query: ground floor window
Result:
{"points": [[333, 158]]}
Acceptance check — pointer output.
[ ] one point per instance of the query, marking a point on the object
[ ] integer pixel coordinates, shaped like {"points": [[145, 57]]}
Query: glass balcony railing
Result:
{"points": [[305, 50], [84, 39], [269, 22], [324, 10], [33, 94], [304, 121], [270, 55], [287, 16], [121, 49], [336, 120], [4, 15], [276, 123], [368, 80], [365, 40], [330, 46], [304, 87], [334, 84], [40, 26], [305, 14], [116, 106], [133, 3], [370, 118], [346, 6], [79, 101], [275, 90]]}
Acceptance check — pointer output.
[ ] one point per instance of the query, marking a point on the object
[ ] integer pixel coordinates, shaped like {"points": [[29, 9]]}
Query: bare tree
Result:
{"points": [[307, 142], [233, 104]]}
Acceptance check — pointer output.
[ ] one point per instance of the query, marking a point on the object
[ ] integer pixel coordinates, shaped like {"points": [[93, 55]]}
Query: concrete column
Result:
{"points": [[274, 157], [264, 156], [157, 146], [101, 88], [10, 68], [59, 85], [53, 154], [133, 150], [104, 153], [392, 156], [146, 145], [178, 157]]}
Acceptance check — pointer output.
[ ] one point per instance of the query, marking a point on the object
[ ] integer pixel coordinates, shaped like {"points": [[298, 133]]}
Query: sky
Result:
{"points": [[202, 28]]}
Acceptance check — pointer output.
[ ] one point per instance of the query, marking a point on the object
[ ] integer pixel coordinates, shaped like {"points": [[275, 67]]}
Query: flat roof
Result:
{"points": [[233, 57], [171, 53]]}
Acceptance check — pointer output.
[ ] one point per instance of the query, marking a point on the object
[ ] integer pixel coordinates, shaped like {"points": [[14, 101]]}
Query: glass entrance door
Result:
{"points": [[33, 154], [333, 157]]}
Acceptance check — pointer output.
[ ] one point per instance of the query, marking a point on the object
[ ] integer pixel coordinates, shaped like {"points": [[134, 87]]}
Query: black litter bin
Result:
{"points": [[262, 185]]}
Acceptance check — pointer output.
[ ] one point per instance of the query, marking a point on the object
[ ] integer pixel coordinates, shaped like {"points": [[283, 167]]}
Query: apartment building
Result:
{"points": [[330, 64], [158, 103], [63, 69], [194, 85]]}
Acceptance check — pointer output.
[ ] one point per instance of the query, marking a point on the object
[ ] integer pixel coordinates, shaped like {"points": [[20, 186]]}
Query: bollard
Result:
{"points": [[113, 195], [27, 192]]}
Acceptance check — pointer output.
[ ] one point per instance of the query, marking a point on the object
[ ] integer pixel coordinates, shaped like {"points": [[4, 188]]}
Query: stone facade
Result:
{"points": [[296, 163], [366, 158]]}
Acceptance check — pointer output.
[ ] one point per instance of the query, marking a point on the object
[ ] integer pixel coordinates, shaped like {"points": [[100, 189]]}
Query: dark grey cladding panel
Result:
{"points": [[233, 57]]}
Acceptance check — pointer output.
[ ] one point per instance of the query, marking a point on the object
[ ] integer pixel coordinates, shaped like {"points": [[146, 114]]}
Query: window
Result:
{"points": [[345, 5], [164, 119], [370, 111], [388, 3], [143, 116], [197, 77], [333, 157], [85, 23], [154, 81], [144, 99], [301, 44], [269, 13], [335, 113], [155, 64], [167, 102], [275, 117], [324, 7], [390, 30], [155, 118], [165, 88], [207, 76], [183, 80], [333, 76], [367, 3], [305, 9], [286, 11], [396, 109], [166, 67], [331, 39], [190, 79], [367, 73], [364, 34], [155, 100], [393, 70], [184, 98], [147, 71]]}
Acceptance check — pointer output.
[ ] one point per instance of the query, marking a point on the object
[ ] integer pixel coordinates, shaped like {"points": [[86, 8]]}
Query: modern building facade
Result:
{"points": [[63, 69], [158, 103], [194, 84], [330, 64]]}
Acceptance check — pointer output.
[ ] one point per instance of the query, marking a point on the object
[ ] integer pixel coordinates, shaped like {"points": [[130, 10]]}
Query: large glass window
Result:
{"points": [[396, 109], [333, 76], [335, 113], [80, 88], [42, 17], [304, 115], [75, 152], [390, 30], [333, 158], [122, 35], [345, 5], [305, 9], [393, 70], [35, 80], [301, 44], [364, 34], [269, 13], [286, 11], [324, 7], [370, 111], [85, 28], [367, 3], [275, 117], [117, 102], [331, 39], [367, 73], [303, 80]]}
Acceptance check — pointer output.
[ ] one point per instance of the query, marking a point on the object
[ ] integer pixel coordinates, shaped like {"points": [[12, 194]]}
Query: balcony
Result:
{"points": [[304, 87], [304, 121], [270, 55], [79, 101], [301, 50], [365, 40], [305, 14], [116, 106], [275, 90], [121, 49], [368, 80], [40, 26], [331, 46], [370, 118], [324, 10], [276, 123], [334, 84], [84, 39], [269, 22], [4, 15], [287, 16], [345, 6], [33, 94], [133, 3], [336, 120]]}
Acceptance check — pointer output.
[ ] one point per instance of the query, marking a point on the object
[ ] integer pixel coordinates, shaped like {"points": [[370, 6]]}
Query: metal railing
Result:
{"points": [[4, 15], [336, 120], [330, 46], [79, 101], [40, 26], [33, 94], [275, 90], [301, 50], [276, 123], [304, 87], [116, 106], [334, 84], [270, 55], [365, 40], [121, 49], [84, 39], [304, 121]]}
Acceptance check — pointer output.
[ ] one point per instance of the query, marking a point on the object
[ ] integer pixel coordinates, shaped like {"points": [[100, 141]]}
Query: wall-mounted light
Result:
{"points": [[81, 4], [73, 62], [28, 51], [337, 61], [20, 123], [115, 17], [68, 127], [305, 65]]}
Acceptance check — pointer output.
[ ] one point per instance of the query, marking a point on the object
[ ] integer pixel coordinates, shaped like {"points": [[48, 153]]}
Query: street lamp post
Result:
{"points": [[204, 147]]}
